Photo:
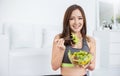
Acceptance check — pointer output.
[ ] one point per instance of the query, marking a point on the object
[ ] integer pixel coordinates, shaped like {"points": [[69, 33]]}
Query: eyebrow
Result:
{"points": [[77, 16], [80, 16]]}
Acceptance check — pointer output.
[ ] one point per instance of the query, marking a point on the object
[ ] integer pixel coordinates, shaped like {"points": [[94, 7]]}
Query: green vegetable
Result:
{"points": [[75, 38], [81, 58]]}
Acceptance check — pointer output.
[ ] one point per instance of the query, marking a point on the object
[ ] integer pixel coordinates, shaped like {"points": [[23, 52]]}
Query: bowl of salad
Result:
{"points": [[80, 58]]}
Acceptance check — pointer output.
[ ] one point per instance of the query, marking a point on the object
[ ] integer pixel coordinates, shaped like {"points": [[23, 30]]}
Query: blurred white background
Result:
{"points": [[27, 29]]}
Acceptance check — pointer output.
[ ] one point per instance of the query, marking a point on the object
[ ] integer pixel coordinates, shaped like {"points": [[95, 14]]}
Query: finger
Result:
{"points": [[61, 42], [58, 43], [56, 40], [86, 65], [92, 60], [62, 39]]}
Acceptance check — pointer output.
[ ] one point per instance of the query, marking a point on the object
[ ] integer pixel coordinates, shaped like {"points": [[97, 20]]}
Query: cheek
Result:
{"points": [[71, 22], [82, 22]]}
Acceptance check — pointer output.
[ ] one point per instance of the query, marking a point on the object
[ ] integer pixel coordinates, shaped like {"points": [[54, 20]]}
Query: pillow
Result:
{"points": [[21, 36], [25, 36], [49, 34]]}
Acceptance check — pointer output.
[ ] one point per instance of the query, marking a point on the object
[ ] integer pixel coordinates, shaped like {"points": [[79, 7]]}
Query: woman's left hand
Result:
{"points": [[89, 63], [86, 65]]}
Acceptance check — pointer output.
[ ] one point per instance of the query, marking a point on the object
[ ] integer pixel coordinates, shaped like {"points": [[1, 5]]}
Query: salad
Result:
{"points": [[74, 38], [81, 58]]}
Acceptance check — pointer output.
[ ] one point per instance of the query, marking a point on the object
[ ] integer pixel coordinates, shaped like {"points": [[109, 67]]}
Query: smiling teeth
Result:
{"points": [[76, 26]]}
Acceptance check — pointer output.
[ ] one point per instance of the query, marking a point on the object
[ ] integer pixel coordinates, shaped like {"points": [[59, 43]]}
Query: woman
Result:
{"points": [[74, 23]]}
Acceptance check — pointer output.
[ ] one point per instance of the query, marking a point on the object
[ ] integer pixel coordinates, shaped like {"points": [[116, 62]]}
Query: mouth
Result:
{"points": [[76, 26]]}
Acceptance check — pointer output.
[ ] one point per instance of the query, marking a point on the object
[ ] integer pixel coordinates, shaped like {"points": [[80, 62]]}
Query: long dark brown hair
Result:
{"points": [[66, 33]]}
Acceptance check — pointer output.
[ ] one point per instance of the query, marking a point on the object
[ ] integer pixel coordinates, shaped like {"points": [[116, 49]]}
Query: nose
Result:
{"points": [[76, 21]]}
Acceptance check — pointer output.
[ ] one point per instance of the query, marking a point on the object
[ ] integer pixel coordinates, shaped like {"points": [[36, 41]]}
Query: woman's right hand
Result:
{"points": [[60, 43]]}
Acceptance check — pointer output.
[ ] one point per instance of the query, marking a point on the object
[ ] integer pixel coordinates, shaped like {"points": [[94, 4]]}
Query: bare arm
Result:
{"points": [[57, 52], [93, 51]]}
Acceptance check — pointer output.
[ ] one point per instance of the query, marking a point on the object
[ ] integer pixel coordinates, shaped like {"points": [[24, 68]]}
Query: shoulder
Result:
{"points": [[91, 41]]}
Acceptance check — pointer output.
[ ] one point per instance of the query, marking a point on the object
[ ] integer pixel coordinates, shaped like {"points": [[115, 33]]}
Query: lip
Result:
{"points": [[76, 27]]}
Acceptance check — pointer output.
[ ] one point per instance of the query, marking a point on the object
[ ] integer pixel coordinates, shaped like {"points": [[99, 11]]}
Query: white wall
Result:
{"points": [[43, 12], [46, 12], [4, 55]]}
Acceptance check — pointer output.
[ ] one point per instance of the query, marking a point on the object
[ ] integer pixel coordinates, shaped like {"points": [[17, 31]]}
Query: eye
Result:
{"points": [[71, 19], [80, 18]]}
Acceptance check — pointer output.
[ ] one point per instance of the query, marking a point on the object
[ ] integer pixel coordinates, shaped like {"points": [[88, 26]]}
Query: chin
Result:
{"points": [[76, 30]]}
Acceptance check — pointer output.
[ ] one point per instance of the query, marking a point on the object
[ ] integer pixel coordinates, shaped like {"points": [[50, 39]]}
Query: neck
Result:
{"points": [[78, 34]]}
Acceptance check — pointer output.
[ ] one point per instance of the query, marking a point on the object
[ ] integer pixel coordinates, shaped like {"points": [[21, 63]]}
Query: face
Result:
{"points": [[76, 21]]}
